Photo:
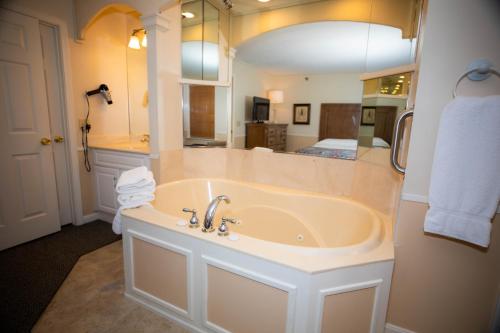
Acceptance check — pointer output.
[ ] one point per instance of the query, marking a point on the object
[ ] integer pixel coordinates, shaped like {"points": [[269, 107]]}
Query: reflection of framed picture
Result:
{"points": [[368, 116], [301, 114]]}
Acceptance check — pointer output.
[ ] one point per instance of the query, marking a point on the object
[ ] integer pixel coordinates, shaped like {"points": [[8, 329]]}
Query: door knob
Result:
{"points": [[45, 141], [58, 139]]}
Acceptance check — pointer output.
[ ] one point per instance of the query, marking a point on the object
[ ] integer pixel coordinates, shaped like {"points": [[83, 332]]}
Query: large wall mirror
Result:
{"points": [[297, 88], [296, 83]]}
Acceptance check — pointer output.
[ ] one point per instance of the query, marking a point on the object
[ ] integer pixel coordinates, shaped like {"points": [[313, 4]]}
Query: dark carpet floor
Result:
{"points": [[31, 273]]}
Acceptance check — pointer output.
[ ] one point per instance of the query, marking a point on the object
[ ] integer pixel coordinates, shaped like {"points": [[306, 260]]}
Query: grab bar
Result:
{"points": [[398, 129]]}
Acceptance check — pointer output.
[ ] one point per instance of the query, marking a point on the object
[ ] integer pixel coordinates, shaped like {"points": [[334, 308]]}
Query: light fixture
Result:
{"points": [[187, 15], [133, 43], [400, 81], [263, 0], [275, 97], [402, 77]]}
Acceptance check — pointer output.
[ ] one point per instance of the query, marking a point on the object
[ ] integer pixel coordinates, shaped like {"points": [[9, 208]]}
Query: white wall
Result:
{"points": [[221, 113], [333, 88], [248, 81], [456, 32]]}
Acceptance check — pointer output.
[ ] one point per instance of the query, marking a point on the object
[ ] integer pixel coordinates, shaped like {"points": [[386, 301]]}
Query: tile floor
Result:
{"points": [[91, 300]]}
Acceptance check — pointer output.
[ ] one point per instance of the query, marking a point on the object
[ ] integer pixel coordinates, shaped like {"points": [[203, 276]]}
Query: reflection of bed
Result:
{"points": [[333, 148], [339, 148], [338, 131]]}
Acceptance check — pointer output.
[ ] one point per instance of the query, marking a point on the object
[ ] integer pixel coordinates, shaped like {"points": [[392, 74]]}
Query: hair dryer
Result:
{"points": [[104, 91]]}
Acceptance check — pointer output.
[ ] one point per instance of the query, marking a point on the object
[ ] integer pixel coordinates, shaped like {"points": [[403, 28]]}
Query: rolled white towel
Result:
{"points": [[137, 189], [135, 179], [136, 199]]}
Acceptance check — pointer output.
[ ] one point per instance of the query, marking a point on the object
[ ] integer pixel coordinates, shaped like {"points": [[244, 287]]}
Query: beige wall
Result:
{"points": [[441, 285], [248, 81]]}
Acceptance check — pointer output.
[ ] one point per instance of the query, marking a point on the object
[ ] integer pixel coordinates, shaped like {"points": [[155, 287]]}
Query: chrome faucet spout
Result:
{"points": [[208, 225]]}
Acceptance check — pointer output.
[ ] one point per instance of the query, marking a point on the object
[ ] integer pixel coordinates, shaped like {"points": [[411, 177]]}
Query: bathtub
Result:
{"points": [[294, 261]]}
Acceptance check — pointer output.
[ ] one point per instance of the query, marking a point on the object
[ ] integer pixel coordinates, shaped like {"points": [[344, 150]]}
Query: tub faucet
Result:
{"points": [[208, 223]]}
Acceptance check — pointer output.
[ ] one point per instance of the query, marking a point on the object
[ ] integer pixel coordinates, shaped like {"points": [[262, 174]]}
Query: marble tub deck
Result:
{"points": [[91, 299]]}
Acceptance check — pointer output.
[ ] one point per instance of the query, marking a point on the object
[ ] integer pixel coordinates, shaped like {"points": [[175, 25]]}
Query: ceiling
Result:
{"points": [[328, 47], [245, 7]]}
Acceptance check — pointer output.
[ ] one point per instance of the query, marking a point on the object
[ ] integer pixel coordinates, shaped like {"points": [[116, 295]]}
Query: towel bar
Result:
{"points": [[478, 70]]}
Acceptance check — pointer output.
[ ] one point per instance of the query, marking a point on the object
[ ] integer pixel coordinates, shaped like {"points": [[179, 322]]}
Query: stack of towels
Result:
{"points": [[135, 188]]}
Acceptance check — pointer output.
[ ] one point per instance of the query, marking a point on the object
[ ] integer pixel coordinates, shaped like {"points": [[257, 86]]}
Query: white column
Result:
{"points": [[164, 72]]}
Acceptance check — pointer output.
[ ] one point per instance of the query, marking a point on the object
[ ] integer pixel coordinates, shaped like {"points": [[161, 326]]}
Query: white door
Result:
{"points": [[28, 200], [55, 99]]}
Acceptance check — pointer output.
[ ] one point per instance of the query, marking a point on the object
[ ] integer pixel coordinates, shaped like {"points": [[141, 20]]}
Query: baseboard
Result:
{"points": [[90, 217], [97, 216], [390, 328], [414, 197]]}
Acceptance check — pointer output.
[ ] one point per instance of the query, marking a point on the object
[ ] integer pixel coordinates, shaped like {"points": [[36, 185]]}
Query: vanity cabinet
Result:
{"points": [[271, 136], [108, 166]]}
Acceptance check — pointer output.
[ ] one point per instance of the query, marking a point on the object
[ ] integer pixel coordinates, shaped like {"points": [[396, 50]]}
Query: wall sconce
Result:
{"points": [[275, 97], [134, 42]]}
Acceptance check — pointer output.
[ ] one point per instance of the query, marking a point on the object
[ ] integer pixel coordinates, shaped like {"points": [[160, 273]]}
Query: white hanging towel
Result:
{"points": [[465, 182], [135, 188]]}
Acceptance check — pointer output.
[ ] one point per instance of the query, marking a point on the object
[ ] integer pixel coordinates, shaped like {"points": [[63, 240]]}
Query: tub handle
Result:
{"points": [[193, 221]]}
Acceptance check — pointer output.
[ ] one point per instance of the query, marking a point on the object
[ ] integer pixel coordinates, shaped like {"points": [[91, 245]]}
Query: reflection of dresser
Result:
{"points": [[266, 135]]}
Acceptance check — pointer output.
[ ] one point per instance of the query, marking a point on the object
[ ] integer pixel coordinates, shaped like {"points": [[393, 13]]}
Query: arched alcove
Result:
{"points": [[87, 11]]}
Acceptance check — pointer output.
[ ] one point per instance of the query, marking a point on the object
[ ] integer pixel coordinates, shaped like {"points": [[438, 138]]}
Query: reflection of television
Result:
{"points": [[260, 109]]}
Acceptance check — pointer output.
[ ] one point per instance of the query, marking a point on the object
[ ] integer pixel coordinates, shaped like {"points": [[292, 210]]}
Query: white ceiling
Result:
{"points": [[327, 47]]}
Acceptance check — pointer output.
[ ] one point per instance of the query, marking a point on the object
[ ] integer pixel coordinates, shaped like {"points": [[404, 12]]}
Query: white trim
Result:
{"points": [[157, 21], [272, 282], [389, 71], [414, 197], [390, 328], [205, 82], [90, 217], [189, 313], [347, 288], [69, 116], [106, 217]]}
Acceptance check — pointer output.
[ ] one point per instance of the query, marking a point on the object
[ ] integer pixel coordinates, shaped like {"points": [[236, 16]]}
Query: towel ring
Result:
{"points": [[478, 70]]}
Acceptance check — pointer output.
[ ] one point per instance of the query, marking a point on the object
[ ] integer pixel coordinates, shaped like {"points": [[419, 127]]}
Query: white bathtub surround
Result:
{"points": [[135, 188], [465, 187], [349, 249]]}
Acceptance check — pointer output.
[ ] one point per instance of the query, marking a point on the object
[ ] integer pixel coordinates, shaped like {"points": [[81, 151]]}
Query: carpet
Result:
{"points": [[32, 273]]}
